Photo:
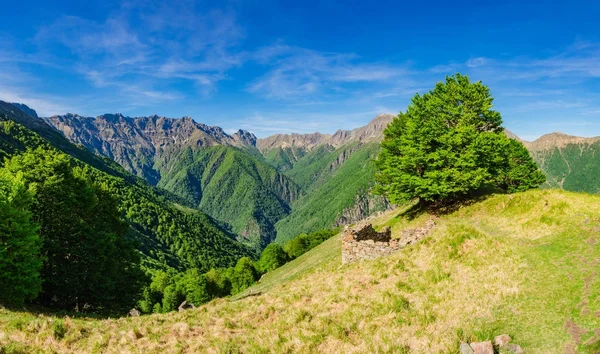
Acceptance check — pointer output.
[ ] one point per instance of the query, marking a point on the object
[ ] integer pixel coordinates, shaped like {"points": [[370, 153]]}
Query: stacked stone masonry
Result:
{"points": [[363, 242]]}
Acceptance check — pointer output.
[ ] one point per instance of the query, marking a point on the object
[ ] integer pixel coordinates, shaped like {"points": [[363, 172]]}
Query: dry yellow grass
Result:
{"points": [[523, 264]]}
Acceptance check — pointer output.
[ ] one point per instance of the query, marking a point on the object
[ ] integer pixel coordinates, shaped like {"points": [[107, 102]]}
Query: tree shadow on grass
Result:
{"points": [[37, 310], [446, 207]]}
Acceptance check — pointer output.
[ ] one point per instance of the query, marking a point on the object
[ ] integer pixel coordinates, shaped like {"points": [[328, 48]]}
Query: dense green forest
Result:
{"points": [[246, 195], [574, 167]]}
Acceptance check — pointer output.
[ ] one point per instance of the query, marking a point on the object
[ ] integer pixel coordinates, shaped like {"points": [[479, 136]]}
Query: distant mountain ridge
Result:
{"points": [[370, 132], [125, 139], [569, 162]]}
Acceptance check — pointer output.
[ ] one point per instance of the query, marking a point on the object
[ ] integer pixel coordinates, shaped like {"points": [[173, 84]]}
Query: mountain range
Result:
{"points": [[258, 189], [272, 189]]}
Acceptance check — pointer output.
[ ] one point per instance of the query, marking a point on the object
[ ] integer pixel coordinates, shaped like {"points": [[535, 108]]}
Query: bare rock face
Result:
{"points": [[303, 141], [553, 140], [137, 143], [560, 140], [370, 132], [365, 204], [243, 137], [373, 131]]}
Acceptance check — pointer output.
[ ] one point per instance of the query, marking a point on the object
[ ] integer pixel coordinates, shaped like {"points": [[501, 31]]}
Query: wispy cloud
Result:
{"points": [[169, 41], [295, 72]]}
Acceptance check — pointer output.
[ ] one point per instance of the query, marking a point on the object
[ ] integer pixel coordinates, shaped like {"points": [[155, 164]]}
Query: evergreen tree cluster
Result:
{"points": [[63, 242], [449, 146]]}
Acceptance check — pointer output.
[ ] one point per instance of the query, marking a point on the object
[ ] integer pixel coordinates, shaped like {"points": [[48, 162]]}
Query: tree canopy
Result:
{"points": [[450, 145], [87, 261], [20, 261]]}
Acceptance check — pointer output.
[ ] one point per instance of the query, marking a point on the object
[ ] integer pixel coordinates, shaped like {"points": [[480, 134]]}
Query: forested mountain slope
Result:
{"points": [[569, 162], [168, 235], [220, 174], [339, 186], [239, 190], [336, 171]]}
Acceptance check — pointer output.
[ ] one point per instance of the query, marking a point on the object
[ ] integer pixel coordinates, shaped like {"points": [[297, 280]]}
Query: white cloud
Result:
{"points": [[155, 42], [295, 72]]}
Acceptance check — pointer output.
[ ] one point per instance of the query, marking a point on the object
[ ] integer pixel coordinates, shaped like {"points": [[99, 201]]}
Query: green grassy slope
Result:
{"points": [[523, 264], [167, 235], [332, 189], [238, 190]]}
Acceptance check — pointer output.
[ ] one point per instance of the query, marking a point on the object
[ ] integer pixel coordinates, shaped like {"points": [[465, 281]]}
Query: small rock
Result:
{"points": [[514, 348], [466, 349], [502, 340], [483, 347]]}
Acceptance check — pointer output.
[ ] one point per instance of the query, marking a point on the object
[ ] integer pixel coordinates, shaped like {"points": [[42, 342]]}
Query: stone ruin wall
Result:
{"points": [[363, 242]]}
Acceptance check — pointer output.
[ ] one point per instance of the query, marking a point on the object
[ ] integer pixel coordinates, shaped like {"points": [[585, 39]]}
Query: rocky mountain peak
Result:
{"points": [[372, 131], [244, 137], [294, 140], [136, 143]]}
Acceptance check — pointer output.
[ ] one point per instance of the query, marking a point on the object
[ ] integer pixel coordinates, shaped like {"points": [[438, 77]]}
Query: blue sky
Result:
{"points": [[301, 66]]}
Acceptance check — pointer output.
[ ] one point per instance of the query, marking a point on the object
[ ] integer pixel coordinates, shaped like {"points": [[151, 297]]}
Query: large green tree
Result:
{"points": [[450, 145], [88, 263], [20, 260]]}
